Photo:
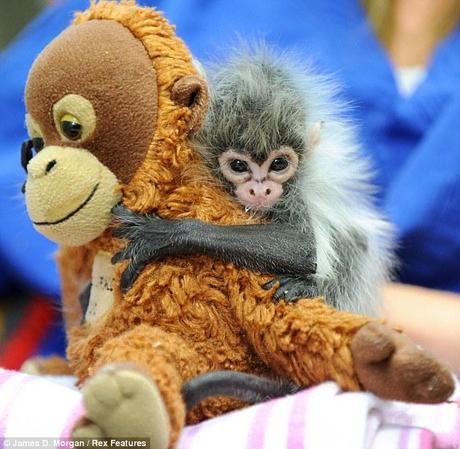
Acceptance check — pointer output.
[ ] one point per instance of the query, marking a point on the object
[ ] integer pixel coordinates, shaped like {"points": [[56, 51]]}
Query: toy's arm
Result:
{"points": [[266, 248], [436, 328], [310, 342], [75, 265]]}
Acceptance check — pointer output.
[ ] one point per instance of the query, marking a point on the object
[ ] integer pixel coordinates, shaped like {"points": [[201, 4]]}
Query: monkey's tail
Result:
{"points": [[246, 387]]}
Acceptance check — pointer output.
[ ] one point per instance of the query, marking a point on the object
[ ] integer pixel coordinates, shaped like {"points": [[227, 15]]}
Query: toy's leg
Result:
{"points": [[390, 365], [311, 342], [134, 389]]}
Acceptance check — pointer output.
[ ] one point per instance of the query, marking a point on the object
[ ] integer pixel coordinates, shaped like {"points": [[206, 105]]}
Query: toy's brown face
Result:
{"points": [[91, 101]]}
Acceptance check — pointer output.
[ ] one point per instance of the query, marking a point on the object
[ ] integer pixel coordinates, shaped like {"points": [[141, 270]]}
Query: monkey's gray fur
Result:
{"points": [[261, 100]]}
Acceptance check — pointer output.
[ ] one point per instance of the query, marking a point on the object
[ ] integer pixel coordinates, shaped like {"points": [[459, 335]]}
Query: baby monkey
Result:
{"points": [[275, 140]]}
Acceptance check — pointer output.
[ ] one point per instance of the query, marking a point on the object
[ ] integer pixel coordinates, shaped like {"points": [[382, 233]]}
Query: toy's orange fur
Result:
{"points": [[193, 314]]}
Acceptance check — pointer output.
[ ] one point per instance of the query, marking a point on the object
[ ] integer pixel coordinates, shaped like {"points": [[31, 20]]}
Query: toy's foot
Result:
{"points": [[89, 434], [122, 402], [52, 365], [391, 366]]}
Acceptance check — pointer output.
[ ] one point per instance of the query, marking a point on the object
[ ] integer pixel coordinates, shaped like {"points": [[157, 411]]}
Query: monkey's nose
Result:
{"points": [[37, 169], [260, 192]]}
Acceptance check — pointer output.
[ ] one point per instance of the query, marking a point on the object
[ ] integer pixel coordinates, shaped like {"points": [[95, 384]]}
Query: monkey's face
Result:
{"points": [[91, 102], [259, 186]]}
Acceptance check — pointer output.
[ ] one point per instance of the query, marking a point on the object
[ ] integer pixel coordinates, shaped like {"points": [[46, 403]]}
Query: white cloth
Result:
{"points": [[322, 417]]}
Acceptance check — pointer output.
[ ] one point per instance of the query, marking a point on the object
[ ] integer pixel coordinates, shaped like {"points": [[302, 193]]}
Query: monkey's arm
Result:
{"points": [[267, 248]]}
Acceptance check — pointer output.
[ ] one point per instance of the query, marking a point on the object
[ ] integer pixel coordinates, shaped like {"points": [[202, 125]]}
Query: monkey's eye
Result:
{"points": [[279, 164], [71, 127], [239, 166], [38, 143]]}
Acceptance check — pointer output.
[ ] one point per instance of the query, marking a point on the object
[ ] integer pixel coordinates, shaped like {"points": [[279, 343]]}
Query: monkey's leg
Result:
{"points": [[357, 274], [312, 342], [266, 248], [291, 289], [135, 386]]}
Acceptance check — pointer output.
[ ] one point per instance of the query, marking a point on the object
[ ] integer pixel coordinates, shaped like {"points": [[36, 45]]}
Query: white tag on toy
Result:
{"points": [[102, 279]]}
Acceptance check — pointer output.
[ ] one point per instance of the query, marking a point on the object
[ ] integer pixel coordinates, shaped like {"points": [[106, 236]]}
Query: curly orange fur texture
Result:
{"points": [[189, 315]]}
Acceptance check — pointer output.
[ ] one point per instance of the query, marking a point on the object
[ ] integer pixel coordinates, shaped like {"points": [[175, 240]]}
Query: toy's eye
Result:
{"points": [[38, 143], [70, 127], [279, 164], [26, 153], [239, 166]]}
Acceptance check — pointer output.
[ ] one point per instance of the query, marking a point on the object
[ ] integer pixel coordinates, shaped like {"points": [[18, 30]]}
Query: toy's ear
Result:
{"points": [[191, 91]]}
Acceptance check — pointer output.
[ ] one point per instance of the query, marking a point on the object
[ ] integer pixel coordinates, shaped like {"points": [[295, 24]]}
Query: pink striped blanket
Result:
{"points": [[321, 417]]}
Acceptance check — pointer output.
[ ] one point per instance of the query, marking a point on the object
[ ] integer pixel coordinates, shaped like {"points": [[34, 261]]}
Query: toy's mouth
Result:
{"points": [[70, 214]]}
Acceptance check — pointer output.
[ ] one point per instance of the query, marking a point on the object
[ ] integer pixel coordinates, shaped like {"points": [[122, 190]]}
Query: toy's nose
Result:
{"points": [[39, 167]]}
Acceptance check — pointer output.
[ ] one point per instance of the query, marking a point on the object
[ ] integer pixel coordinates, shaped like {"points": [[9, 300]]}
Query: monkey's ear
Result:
{"points": [[314, 135], [191, 91]]}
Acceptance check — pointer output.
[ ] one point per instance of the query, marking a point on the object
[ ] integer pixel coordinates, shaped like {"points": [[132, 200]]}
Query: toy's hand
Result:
{"points": [[291, 289], [149, 238]]}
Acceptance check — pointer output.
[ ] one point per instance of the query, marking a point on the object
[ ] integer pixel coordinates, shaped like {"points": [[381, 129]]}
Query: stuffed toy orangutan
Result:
{"points": [[111, 103]]}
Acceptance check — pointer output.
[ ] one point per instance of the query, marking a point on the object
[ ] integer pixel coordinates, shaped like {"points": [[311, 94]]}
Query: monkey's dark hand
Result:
{"points": [[150, 238], [291, 289]]}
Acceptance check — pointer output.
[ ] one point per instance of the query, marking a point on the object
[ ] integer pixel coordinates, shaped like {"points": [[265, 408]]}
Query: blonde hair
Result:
{"points": [[380, 14]]}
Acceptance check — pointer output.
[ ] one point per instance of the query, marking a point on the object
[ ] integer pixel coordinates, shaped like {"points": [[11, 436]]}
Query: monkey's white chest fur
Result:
{"points": [[102, 279]]}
